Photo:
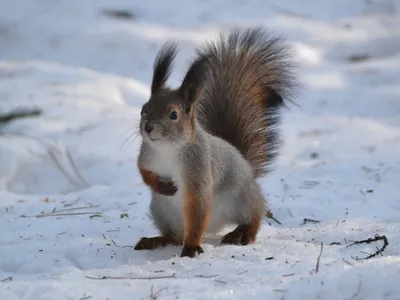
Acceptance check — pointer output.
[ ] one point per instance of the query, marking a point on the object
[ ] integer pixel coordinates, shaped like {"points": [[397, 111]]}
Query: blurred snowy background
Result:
{"points": [[72, 203]]}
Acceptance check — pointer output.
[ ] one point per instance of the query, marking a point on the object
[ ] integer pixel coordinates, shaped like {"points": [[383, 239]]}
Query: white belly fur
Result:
{"points": [[222, 210], [165, 162]]}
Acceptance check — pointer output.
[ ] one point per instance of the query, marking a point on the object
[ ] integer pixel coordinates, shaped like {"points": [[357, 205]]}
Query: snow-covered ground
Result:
{"points": [[90, 74]]}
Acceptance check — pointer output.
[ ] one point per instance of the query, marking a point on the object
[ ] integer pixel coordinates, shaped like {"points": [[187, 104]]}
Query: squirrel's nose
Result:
{"points": [[148, 127]]}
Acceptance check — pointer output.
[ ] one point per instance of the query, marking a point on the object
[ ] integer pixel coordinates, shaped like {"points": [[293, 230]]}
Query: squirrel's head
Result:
{"points": [[168, 116]]}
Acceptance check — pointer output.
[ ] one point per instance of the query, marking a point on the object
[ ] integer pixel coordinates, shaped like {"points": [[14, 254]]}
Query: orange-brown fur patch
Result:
{"points": [[196, 218], [149, 177], [161, 186], [259, 94], [254, 227]]}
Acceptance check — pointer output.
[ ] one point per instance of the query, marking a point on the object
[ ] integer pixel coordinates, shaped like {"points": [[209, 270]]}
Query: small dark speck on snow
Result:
{"points": [[119, 14], [358, 58]]}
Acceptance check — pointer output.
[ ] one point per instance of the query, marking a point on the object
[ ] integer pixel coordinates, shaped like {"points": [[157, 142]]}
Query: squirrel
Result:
{"points": [[205, 144]]}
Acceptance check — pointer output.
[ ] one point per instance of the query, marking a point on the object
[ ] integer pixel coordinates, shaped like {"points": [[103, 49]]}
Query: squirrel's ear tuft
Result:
{"points": [[193, 82], [163, 65]]}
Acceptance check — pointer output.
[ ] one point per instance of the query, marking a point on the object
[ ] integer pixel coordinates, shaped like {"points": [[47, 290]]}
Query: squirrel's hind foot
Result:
{"points": [[155, 242], [242, 235], [191, 251]]}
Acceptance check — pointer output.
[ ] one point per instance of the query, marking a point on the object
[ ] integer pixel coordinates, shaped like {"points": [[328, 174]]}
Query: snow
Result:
{"points": [[90, 74]]}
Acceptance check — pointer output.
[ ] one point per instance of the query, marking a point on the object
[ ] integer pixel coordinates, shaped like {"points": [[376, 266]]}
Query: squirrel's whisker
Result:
{"points": [[129, 137]]}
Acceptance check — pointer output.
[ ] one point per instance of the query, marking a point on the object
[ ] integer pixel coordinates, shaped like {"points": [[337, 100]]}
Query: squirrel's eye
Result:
{"points": [[173, 115]]}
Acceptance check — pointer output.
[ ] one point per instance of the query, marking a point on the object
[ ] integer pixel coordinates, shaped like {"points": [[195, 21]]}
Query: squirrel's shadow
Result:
{"points": [[168, 252]]}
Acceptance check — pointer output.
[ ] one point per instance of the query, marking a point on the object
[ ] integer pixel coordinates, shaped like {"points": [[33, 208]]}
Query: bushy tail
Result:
{"points": [[249, 75]]}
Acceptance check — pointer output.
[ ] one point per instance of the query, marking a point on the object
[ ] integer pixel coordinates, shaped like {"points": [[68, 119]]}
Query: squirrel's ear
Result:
{"points": [[163, 65], [193, 82], [189, 96]]}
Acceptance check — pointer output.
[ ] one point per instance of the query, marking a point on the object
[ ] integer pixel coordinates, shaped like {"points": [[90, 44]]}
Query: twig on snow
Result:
{"points": [[132, 278], [220, 281], [19, 114], [57, 214], [379, 250], [76, 179], [347, 262], [319, 258], [67, 214], [51, 152], [334, 243], [94, 216], [154, 296], [75, 169], [77, 208], [73, 203], [208, 276], [71, 209], [270, 215], [61, 212], [7, 279], [357, 292], [306, 220], [211, 276], [371, 240], [290, 213], [74, 176]]}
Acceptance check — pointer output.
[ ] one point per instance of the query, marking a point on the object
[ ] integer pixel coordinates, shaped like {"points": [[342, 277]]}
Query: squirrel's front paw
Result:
{"points": [[166, 187], [191, 251], [155, 242]]}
